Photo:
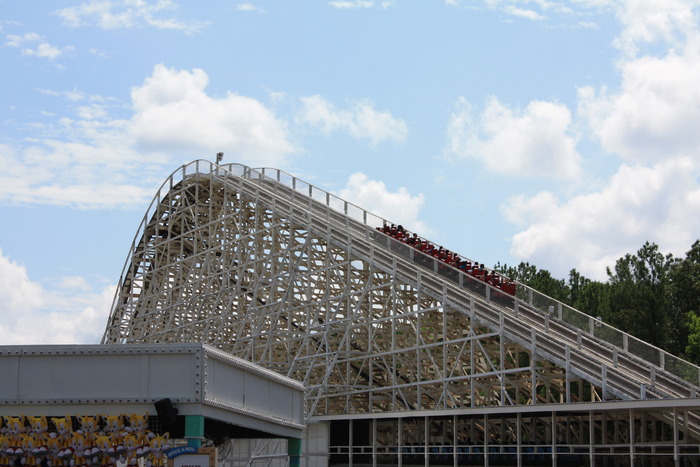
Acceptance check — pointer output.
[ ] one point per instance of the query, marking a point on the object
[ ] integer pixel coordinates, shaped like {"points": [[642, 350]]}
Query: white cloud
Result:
{"points": [[93, 160], [173, 112], [590, 232], [17, 41], [72, 96], [38, 48], [98, 53], [59, 173], [651, 122], [84, 163], [649, 21], [399, 207], [523, 13], [655, 112], [74, 282], [536, 141], [587, 25], [73, 313], [18, 294], [92, 112], [361, 121], [346, 4], [43, 50], [538, 10], [249, 7], [126, 14]]}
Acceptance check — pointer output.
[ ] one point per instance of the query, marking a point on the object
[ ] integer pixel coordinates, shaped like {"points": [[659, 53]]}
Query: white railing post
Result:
{"points": [[604, 381]]}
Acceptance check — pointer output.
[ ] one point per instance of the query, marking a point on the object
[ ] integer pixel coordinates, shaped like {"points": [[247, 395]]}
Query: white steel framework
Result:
{"points": [[46, 380], [290, 277]]}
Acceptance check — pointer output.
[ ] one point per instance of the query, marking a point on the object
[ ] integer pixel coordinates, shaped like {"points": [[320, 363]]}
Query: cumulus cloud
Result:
{"points": [[361, 121], [173, 111], [17, 292], [84, 162], [73, 313], [591, 231], [650, 121], [33, 44], [126, 14], [536, 141], [652, 115], [399, 207], [89, 175], [44, 50], [655, 111], [644, 22], [93, 160]]}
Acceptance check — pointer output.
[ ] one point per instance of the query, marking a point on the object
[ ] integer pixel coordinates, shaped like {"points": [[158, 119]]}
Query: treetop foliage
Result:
{"points": [[652, 296]]}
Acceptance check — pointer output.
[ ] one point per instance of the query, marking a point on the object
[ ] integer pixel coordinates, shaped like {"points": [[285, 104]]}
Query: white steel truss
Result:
{"points": [[280, 273]]}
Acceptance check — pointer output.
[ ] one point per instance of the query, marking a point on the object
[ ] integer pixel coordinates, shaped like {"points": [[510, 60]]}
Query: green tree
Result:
{"points": [[577, 284], [683, 297], [638, 294], [593, 298], [692, 349], [539, 279], [652, 296]]}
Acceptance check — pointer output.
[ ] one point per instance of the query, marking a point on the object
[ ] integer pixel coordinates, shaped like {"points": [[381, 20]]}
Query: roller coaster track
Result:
{"points": [[615, 364], [616, 369]]}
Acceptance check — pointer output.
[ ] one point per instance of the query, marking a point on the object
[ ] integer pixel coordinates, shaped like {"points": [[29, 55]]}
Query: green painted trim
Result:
{"points": [[194, 430], [294, 451]]}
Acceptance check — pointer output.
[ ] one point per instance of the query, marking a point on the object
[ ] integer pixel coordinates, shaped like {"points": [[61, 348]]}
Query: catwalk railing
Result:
{"points": [[586, 332], [550, 308], [581, 354]]}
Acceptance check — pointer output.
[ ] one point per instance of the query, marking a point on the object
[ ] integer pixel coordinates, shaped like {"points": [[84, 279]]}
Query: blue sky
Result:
{"points": [[560, 133]]}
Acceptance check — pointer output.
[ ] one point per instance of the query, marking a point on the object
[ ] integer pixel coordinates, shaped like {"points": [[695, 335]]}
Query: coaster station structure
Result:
{"points": [[404, 359]]}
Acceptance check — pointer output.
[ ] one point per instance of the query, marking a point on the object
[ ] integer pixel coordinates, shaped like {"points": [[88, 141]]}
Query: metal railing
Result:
{"points": [[618, 375], [549, 306]]}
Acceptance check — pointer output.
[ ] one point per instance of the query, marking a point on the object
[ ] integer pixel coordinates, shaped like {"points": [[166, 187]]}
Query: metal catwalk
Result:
{"points": [[407, 360]]}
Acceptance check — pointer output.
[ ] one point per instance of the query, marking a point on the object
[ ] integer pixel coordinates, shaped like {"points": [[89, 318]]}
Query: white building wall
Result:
{"points": [[273, 452], [314, 446], [254, 452]]}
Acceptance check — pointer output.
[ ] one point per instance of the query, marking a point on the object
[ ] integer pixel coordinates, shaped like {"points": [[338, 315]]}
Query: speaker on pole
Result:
{"points": [[167, 414]]}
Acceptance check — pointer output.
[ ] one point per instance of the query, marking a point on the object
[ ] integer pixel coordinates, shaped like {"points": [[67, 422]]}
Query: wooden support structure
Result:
{"points": [[287, 276]]}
